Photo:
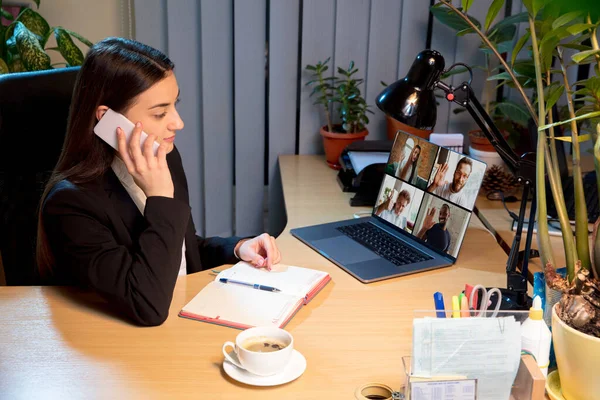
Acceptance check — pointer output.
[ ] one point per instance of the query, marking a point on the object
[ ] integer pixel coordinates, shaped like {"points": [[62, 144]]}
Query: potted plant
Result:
{"points": [[352, 108], [509, 116], [23, 43], [576, 318]]}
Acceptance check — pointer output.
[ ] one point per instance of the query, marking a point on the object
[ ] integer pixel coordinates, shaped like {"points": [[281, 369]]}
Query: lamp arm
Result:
{"points": [[522, 168], [464, 96]]}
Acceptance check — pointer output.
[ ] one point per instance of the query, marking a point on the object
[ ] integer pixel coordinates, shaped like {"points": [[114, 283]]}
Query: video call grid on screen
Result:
{"points": [[413, 192]]}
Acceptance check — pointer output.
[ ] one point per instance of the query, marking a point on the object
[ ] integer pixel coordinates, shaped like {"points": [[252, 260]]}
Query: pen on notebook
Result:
{"points": [[438, 300], [455, 307], [252, 285]]}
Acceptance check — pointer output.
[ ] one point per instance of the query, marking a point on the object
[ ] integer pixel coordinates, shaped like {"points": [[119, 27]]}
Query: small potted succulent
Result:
{"points": [[352, 108]]}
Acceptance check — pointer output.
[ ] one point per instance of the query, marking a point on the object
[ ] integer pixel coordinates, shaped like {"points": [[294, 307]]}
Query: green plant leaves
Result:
{"points": [[69, 50], [449, 18], [32, 54], [534, 6], [552, 93], [77, 36], [578, 118], [16, 65], [6, 15], [503, 34], [3, 67], [565, 19], [547, 47], [34, 22], [518, 46], [492, 13], [453, 71], [591, 87], [513, 111], [513, 19], [466, 4], [581, 56]]}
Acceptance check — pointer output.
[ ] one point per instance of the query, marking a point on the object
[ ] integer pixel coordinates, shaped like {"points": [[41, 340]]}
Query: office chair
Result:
{"points": [[34, 108]]}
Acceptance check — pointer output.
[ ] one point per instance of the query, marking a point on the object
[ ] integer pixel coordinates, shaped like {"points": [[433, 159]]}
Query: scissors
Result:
{"points": [[485, 300]]}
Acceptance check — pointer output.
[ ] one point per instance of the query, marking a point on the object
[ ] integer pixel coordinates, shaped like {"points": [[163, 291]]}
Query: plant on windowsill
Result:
{"points": [[576, 317], [23, 43], [352, 108]]}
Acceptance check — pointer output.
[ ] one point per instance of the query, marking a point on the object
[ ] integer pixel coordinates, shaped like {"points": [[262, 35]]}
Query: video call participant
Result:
{"points": [[437, 235], [407, 168], [452, 191], [395, 214]]}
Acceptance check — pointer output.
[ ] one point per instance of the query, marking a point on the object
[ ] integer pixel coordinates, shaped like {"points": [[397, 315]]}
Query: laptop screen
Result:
{"points": [[429, 192]]}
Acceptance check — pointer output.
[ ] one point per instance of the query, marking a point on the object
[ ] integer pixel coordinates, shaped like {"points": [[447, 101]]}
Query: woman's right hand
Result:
{"points": [[151, 173]]}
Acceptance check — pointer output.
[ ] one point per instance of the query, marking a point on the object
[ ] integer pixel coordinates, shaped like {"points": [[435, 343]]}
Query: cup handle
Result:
{"points": [[228, 357]]}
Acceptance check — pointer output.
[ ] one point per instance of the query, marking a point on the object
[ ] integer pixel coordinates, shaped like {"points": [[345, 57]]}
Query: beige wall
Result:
{"points": [[93, 19]]}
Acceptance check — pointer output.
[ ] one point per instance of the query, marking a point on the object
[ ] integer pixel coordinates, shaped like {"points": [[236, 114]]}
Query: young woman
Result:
{"points": [[407, 168], [119, 222]]}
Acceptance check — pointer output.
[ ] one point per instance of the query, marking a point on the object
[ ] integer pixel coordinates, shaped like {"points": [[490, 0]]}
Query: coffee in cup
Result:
{"points": [[261, 351], [263, 344]]}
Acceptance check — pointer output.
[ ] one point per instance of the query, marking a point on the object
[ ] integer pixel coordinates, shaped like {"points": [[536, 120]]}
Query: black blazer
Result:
{"points": [[99, 239]]}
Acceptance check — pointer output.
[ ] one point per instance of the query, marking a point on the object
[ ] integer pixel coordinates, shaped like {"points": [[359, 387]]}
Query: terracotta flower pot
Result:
{"points": [[393, 126], [577, 356], [335, 143], [480, 142]]}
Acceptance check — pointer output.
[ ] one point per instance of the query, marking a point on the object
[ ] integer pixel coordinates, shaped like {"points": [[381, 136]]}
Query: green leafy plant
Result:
{"points": [[551, 30], [23, 43], [508, 115], [345, 92]]}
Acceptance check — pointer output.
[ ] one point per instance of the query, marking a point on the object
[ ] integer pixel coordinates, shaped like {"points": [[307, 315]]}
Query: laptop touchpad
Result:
{"points": [[344, 250]]}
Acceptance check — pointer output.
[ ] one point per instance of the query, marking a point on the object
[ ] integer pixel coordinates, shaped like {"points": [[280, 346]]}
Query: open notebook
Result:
{"points": [[243, 307]]}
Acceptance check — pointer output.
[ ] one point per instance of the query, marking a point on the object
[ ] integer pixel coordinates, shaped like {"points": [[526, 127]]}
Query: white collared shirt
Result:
{"points": [[139, 198]]}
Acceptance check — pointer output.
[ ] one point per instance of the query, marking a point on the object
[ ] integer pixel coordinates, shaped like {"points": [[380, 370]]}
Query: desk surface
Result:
{"points": [[61, 342]]}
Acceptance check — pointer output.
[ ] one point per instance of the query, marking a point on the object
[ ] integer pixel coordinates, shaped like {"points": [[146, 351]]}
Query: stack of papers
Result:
{"points": [[486, 349]]}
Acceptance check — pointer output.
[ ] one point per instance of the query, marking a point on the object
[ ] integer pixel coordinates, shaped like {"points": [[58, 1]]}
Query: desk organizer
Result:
{"points": [[528, 384]]}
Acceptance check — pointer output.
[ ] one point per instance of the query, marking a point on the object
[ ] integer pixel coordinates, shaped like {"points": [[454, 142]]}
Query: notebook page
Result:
{"points": [[241, 305], [294, 281]]}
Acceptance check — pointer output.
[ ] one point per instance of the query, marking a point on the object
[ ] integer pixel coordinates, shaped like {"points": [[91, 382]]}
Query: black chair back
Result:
{"points": [[34, 108]]}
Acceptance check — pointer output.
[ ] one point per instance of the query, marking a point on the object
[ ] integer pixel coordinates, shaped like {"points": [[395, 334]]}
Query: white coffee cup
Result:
{"points": [[261, 363]]}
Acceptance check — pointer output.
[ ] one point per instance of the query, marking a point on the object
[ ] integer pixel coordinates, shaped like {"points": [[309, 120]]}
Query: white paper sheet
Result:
{"points": [[362, 159], [295, 281], [486, 349]]}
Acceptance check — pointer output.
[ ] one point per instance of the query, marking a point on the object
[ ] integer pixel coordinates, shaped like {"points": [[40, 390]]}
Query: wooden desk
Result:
{"points": [[61, 343]]}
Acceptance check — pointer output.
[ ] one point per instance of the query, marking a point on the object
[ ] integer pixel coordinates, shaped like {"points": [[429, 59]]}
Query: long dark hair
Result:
{"points": [[414, 164], [115, 71]]}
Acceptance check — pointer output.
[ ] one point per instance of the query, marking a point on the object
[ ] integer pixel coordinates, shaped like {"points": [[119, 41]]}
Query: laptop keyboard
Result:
{"points": [[383, 244]]}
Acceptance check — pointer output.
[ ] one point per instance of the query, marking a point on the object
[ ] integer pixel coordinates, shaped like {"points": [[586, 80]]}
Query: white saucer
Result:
{"points": [[293, 370]]}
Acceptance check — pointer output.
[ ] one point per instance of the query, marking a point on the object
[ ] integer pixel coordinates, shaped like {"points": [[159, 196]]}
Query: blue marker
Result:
{"points": [[438, 300]]}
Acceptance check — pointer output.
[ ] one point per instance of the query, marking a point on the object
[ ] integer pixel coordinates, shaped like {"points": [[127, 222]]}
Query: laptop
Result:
{"points": [[419, 219]]}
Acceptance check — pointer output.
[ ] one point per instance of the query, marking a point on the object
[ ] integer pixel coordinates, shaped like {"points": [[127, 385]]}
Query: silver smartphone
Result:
{"points": [[106, 129]]}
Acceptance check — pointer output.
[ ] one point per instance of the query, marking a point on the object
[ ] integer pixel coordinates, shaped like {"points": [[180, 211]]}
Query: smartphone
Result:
{"points": [[106, 129]]}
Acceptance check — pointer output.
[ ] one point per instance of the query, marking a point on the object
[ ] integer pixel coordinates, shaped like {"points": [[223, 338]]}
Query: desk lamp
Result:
{"points": [[412, 99]]}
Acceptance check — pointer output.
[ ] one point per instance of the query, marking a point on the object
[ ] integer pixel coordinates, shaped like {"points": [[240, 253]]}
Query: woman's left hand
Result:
{"points": [[260, 251]]}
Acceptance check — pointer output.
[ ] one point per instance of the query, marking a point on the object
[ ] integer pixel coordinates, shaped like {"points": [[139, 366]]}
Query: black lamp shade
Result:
{"points": [[411, 100]]}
